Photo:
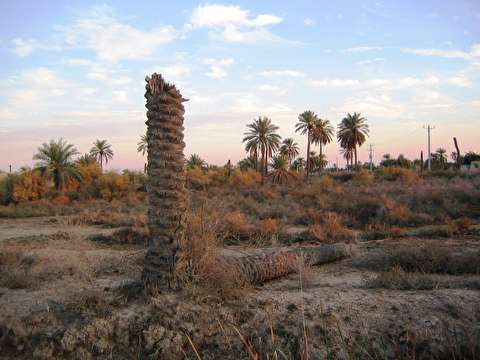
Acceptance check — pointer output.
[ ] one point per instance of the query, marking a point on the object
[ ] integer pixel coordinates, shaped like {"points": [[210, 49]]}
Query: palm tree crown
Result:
{"points": [[322, 133], [102, 152], [306, 126], [262, 137], [56, 160], [142, 145], [289, 149], [352, 132], [280, 172], [195, 161]]}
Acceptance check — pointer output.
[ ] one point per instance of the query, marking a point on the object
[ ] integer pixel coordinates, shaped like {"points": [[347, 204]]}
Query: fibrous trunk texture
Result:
{"points": [[166, 182], [258, 269]]}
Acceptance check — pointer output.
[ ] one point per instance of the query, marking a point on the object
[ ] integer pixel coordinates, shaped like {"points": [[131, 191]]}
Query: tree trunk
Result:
{"points": [[261, 166], [459, 158], [356, 163], [257, 269], [308, 154], [166, 182]]}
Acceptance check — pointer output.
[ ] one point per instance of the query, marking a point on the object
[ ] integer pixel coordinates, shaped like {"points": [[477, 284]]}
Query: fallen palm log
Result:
{"points": [[258, 269]]}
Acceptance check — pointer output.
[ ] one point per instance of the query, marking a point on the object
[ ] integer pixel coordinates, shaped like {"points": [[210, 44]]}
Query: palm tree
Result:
{"points": [[442, 155], [195, 161], [346, 151], [298, 164], [142, 147], [246, 164], [290, 150], [85, 160], [101, 151], [352, 132], [306, 125], [262, 135], [280, 172], [56, 160], [322, 133]]}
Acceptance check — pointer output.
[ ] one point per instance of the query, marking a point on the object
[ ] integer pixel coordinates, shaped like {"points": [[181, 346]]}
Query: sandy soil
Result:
{"points": [[71, 265]]}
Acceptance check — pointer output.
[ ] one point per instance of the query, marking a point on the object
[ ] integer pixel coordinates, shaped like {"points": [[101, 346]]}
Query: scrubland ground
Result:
{"points": [[70, 278]]}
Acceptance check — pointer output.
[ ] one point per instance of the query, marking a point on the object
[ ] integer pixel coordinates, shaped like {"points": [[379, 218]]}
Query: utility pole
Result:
{"points": [[370, 156], [429, 128]]}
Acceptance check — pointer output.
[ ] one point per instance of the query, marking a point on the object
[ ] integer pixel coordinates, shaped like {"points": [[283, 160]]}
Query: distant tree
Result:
{"points": [[246, 164], [306, 126], [323, 133], [299, 164], [195, 161], [142, 147], [101, 152], [290, 150], [280, 173], [85, 160], [262, 136], [346, 150], [471, 156], [442, 154], [352, 133], [56, 160]]}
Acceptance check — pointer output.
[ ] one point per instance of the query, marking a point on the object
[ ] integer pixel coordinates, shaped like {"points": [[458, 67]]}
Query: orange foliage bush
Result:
{"points": [[32, 186], [268, 226], [245, 178], [330, 229], [235, 223], [395, 173], [113, 186], [197, 178]]}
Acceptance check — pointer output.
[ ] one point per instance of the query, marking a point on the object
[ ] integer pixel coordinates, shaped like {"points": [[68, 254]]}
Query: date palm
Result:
{"points": [[280, 173], [101, 152], [442, 155], [56, 159], [322, 133], [262, 135], [306, 126], [142, 147], [290, 150], [352, 132], [195, 161]]}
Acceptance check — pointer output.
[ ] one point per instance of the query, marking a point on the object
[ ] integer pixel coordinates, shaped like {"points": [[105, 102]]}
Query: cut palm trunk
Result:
{"points": [[258, 269], [166, 182]]}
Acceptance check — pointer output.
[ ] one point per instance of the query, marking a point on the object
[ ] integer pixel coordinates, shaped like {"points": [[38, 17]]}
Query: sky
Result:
{"points": [[75, 70]]}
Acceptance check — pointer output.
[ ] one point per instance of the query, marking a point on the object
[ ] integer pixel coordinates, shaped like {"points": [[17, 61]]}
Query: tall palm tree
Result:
{"points": [[142, 147], [322, 133], [306, 125], [262, 135], [298, 164], [102, 152], [352, 132], [290, 150], [195, 161], [56, 160], [280, 172]]}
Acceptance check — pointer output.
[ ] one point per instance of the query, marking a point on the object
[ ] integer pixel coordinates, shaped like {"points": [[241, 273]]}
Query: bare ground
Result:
{"points": [[81, 299]]}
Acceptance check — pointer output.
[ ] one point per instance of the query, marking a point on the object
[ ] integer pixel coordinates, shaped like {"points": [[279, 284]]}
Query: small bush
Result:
{"points": [[408, 176], [398, 279], [330, 229], [245, 179]]}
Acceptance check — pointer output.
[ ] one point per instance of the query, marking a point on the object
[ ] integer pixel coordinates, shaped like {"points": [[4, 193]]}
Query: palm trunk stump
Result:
{"points": [[166, 182]]}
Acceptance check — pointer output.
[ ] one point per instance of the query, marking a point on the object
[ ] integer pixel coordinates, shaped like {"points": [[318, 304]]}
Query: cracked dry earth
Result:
{"points": [[85, 303]]}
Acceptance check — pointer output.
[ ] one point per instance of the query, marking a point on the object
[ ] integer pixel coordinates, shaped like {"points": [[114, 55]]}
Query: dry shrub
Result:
{"points": [[408, 176], [363, 176], [459, 226], [245, 179], [61, 200], [379, 230], [426, 259], [235, 223], [398, 279], [330, 229], [197, 178], [268, 227], [113, 186], [15, 268], [90, 300], [395, 213]]}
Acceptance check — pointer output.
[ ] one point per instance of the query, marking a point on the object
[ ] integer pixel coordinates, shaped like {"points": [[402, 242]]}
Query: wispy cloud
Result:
{"points": [[282, 73], [217, 67], [449, 54], [387, 84], [370, 61], [360, 49]]}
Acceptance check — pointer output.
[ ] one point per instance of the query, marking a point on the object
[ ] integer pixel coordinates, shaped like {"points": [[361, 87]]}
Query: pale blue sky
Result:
{"points": [[75, 70]]}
